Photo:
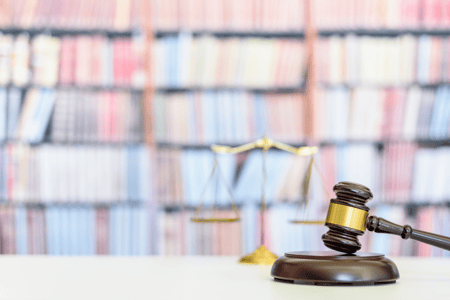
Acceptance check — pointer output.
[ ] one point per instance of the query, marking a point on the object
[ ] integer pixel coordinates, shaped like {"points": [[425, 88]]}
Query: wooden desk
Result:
{"points": [[196, 278]]}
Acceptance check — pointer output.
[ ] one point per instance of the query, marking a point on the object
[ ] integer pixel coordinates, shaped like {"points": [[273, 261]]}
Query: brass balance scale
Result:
{"points": [[262, 255]]}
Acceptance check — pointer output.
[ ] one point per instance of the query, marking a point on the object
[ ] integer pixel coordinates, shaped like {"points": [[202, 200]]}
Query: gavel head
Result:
{"points": [[346, 218]]}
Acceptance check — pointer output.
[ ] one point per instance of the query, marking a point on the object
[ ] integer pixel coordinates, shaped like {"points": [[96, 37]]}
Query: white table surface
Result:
{"points": [[42, 277]]}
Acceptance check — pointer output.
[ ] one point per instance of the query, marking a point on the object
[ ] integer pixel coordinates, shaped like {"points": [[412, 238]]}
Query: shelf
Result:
{"points": [[383, 86], [42, 204], [384, 32], [281, 90], [181, 146], [231, 34], [87, 88], [58, 32], [79, 144], [270, 204], [421, 142]]}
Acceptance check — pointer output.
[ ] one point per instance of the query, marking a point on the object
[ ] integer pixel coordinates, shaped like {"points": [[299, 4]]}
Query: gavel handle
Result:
{"points": [[406, 232]]}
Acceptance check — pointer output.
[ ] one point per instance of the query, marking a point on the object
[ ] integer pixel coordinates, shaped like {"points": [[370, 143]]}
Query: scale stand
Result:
{"points": [[263, 256]]}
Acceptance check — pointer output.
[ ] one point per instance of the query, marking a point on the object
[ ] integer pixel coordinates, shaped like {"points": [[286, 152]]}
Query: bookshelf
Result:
{"points": [[82, 186], [339, 147], [186, 107]]}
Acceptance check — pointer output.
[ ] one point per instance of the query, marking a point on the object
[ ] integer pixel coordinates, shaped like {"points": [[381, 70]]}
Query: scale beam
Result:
{"points": [[265, 144]]}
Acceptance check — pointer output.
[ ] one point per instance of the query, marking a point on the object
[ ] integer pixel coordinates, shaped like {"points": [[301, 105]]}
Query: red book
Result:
{"points": [[118, 62], [102, 231], [67, 61], [11, 172], [411, 13], [388, 113], [30, 231], [112, 117], [431, 13], [445, 18], [96, 61]]}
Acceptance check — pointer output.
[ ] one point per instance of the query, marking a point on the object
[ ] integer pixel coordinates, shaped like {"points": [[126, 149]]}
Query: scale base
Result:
{"points": [[334, 268], [260, 256]]}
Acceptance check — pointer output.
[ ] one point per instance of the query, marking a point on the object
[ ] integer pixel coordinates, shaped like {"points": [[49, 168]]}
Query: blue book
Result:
{"points": [[49, 231], [249, 225], [119, 232], [3, 105], [171, 61], [3, 173], [260, 120], [112, 230], [146, 183], [73, 231], [14, 102], [91, 231], [437, 113], [235, 125], [56, 229], [65, 231], [21, 230], [188, 169], [42, 116], [127, 227], [423, 59], [207, 162], [249, 183], [204, 102], [275, 161], [142, 232], [83, 229], [381, 242], [227, 165], [134, 230], [133, 173], [444, 124]]}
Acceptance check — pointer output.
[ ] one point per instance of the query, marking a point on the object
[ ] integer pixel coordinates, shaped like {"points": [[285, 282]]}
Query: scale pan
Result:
{"points": [[215, 220], [307, 222]]}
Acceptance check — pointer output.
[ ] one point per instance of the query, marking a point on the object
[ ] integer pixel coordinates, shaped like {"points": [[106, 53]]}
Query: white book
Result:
{"points": [[441, 162], [336, 60], [90, 175], [412, 113], [351, 59], [82, 176]]}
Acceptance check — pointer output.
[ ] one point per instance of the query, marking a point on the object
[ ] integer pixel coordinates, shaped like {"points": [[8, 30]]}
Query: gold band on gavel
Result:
{"points": [[347, 216]]}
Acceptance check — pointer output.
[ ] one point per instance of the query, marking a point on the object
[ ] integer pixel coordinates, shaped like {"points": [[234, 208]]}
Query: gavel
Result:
{"points": [[347, 218]]}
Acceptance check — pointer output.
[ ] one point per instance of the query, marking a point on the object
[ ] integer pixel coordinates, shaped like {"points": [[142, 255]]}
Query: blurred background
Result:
{"points": [[108, 109]]}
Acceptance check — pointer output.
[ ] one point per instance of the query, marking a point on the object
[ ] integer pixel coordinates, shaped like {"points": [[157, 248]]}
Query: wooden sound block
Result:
{"points": [[334, 268]]}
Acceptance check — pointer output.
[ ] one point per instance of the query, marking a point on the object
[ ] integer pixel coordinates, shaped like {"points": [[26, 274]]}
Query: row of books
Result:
{"points": [[82, 116], [55, 230], [129, 230], [392, 14], [388, 61], [187, 178], [71, 60], [374, 114], [399, 174], [58, 174], [402, 173], [233, 15], [184, 61], [83, 14], [227, 117], [27, 121], [75, 116], [430, 182], [182, 237]]}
